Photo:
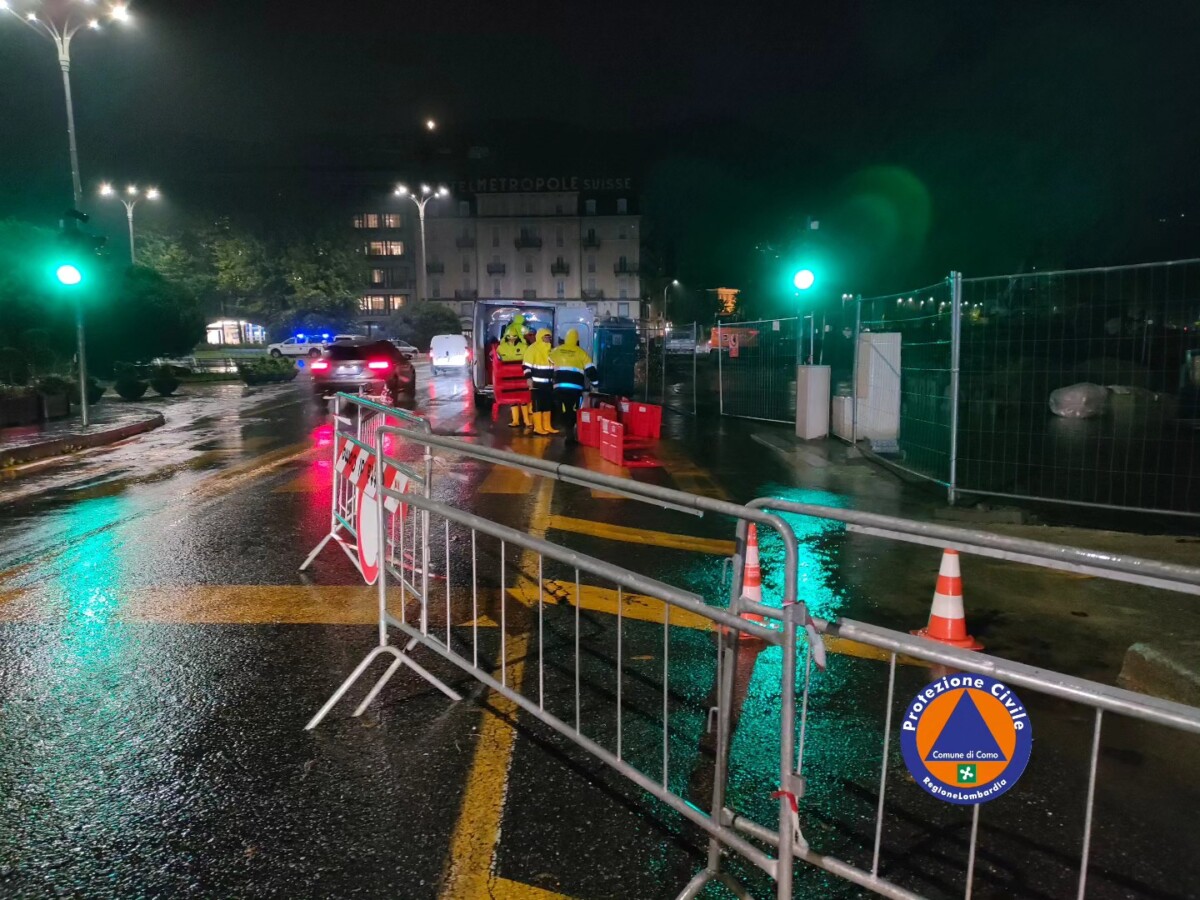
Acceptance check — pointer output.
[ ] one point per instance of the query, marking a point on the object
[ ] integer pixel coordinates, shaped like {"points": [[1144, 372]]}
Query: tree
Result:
{"points": [[418, 323]]}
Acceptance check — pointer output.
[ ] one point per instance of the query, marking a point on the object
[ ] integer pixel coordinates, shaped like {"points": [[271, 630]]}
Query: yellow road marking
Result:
{"points": [[470, 869], [202, 604], [506, 480], [642, 536], [593, 461], [686, 474], [604, 600], [312, 481]]}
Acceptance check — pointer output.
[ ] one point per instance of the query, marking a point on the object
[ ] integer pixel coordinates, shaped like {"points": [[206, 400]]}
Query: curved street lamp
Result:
{"points": [[129, 198], [60, 21], [426, 194]]}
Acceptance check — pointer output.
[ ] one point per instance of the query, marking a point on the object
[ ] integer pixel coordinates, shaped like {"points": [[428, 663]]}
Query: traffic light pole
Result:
{"points": [[82, 353]]}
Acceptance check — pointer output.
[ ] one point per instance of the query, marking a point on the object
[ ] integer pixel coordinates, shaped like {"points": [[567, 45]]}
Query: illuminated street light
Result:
{"points": [[674, 283], [60, 21], [430, 124], [130, 200], [804, 279], [427, 194]]}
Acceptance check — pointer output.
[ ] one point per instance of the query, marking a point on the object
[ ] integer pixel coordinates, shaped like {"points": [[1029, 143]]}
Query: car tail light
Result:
{"points": [[320, 365], [379, 364]]}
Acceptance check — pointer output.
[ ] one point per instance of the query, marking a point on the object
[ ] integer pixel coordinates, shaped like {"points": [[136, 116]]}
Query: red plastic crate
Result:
{"points": [[643, 420], [616, 448]]}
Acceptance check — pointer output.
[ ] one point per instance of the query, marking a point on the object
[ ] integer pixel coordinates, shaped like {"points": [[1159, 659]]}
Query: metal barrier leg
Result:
{"points": [[316, 551], [401, 659]]}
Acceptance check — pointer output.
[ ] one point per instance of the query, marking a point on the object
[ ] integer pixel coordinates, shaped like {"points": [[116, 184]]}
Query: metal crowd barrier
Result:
{"points": [[629, 731]]}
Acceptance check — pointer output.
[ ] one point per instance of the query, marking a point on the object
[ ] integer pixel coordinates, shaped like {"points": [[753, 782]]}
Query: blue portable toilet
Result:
{"points": [[615, 353]]}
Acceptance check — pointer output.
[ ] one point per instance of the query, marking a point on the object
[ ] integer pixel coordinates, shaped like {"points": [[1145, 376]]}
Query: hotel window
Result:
{"points": [[591, 264], [558, 236], [623, 292], [464, 207], [378, 276], [366, 220], [592, 283], [385, 248], [495, 237], [622, 231], [560, 288], [623, 310], [393, 220], [397, 301], [466, 284], [589, 207], [437, 288], [529, 264], [558, 209], [466, 267], [622, 205], [496, 288], [373, 304]]}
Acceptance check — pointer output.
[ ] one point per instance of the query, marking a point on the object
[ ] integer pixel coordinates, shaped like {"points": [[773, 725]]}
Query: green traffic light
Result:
{"points": [[69, 275], [804, 279]]}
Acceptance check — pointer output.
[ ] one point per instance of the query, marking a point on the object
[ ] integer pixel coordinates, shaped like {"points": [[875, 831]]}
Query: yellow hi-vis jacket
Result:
{"points": [[572, 366], [538, 367]]}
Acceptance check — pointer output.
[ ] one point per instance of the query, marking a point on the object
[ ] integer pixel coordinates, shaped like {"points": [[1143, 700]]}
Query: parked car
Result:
{"points": [[448, 351], [373, 367], [406, 347], [300, 345]]}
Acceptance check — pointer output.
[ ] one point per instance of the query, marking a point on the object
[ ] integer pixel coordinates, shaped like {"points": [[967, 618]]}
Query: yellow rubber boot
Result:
{"points": [[526, 410], [516, 418], [548, 425], [537, 425]]}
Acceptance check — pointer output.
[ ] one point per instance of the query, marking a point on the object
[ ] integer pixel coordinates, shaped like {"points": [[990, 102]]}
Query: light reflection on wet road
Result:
{"points": [[159, 655]]}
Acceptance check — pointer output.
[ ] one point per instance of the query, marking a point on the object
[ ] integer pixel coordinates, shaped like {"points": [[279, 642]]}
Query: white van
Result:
{"points": [[448, 351]]}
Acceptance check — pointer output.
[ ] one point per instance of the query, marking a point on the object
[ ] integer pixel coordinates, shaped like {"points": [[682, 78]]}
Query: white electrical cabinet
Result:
{"points": [[812, 402]]}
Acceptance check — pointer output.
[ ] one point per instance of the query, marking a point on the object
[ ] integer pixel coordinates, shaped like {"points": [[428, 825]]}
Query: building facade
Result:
{"points": [[578, 245]]}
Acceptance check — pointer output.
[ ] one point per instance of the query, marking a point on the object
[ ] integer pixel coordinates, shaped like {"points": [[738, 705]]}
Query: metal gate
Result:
{"points": [[756, 367]]}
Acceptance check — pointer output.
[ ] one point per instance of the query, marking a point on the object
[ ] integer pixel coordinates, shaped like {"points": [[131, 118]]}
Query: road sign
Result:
{"points": [[733, 346], [366, 528]]}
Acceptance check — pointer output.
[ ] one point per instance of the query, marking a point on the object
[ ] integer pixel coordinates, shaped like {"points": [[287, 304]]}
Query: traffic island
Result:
{"points": [[1167, 670], [19, 446]]}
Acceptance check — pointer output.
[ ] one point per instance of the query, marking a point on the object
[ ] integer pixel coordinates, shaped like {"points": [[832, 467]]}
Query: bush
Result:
{"points": [[164, 381], [267, 370], [130, 387], [14, 391], [14, 366], [95, 390], [56, 385]]}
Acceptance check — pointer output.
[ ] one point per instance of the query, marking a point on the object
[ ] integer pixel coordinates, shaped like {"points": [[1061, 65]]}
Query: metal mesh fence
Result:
{"points": [[649, 373], [756, 368], [1129, 434], [903, 379]]}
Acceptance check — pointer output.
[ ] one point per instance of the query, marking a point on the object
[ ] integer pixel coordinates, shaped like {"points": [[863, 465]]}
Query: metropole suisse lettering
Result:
{"points": [[966, 738]]}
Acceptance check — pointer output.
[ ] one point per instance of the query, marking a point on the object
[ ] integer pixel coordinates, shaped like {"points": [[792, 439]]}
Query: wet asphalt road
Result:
{"points": [[160, 654]]}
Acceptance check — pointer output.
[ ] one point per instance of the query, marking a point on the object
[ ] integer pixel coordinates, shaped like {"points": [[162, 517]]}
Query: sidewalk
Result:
{"points": [[111, 421]]}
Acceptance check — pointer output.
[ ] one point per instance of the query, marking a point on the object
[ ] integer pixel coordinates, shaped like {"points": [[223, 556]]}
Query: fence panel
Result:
{"points": [[682, 350], [756, 368], [903, 383], [650, 374], [1132, 332]]}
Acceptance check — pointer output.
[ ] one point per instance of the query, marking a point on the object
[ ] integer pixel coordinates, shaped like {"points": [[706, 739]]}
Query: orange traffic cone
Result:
{"points": [[752, 576], [947, 621]]}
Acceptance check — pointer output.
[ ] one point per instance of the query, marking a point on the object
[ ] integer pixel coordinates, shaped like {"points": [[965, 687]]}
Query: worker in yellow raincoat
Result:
{"points": [[512, 349], [539, 371], [573, 371]]}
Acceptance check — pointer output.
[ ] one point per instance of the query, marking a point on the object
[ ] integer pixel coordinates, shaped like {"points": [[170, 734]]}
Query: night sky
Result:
{"points": [[987, 137]]}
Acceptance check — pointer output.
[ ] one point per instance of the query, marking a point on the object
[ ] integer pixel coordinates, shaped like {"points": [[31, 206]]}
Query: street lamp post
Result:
{"points": [[60, 21], [674, 282], [130, 199], [427, 194]]}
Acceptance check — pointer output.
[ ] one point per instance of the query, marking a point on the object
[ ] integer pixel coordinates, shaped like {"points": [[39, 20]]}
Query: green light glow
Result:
{"points": [[804, 279], [68, 275]]}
